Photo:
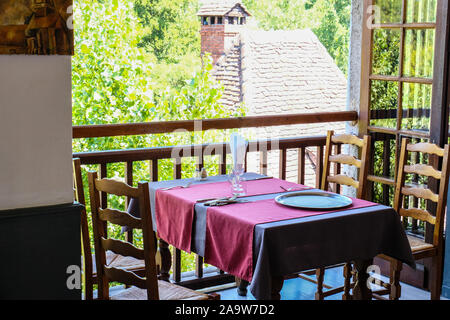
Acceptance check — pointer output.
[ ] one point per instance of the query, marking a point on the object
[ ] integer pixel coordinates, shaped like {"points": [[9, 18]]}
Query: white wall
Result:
{"points": [[35, 131]]}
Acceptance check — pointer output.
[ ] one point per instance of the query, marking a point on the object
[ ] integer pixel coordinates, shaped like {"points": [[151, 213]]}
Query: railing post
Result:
{"points": [[223, 160], [319, 166], [263, 162], [301, 165], [103, 195], [386, 167], [282, 164], [129, 181], [153, 170]]}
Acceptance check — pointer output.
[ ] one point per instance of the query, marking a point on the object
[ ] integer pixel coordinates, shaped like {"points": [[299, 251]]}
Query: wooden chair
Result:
{"points": [[360, 185], [89, 268], [142, 288], [419, 247]]}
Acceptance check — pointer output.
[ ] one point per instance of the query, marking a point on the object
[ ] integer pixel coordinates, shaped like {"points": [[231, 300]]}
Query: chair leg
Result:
{"points": [[436, 277], [320, 273], [88, 291], [347, 281], [395, 288]]}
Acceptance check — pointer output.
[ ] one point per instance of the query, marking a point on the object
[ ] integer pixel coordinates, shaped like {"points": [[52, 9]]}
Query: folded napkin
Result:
{"points": [[238, 146], [224, 201]]}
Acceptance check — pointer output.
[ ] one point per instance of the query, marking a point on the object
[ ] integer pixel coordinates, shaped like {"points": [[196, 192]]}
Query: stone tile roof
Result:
{"points": [[219, 7], [276, 71], [228, 72], [282, 72]]}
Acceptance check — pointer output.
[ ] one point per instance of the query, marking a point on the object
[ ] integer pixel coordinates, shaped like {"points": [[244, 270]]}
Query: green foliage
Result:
{"points": [[171, 28], [170, 34], [116, 81], [328, 19]]}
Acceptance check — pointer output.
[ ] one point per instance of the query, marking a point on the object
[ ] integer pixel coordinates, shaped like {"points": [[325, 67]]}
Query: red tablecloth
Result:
{"points": [[174, 209], [229, 231]]}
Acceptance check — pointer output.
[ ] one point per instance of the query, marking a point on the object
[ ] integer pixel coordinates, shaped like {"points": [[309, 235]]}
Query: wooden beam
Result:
{"points": [[114, 156], [130, 129]]}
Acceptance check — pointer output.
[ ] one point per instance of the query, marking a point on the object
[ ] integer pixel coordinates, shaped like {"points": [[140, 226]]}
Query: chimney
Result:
{"points": [[221, 22]]}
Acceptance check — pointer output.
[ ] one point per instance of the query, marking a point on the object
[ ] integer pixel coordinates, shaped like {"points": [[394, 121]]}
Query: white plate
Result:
{"points": [[314, 200]]}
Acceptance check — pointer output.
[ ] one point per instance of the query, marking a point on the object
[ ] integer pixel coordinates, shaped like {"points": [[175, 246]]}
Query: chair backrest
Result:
{"points": [[78, 182], [338, 158], [101, 217], [85, 238], [422, 192]]}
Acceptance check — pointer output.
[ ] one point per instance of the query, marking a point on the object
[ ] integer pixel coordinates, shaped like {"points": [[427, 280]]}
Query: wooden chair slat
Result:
{"points": [[344, 180], [346, 159], [123, 248], [85, 237], [424, 147], [125, 277], [106, 273], [422, 193], [328, 176], [348, 139], [120, 218], [418, 214], [436, 218], [117, 188], [423, 169]]}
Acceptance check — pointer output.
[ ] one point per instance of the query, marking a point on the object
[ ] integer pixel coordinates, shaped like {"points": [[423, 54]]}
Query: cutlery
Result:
{"points": [[211, 199], [286, 189], [170, 188], [260, 178], [224, 202]]}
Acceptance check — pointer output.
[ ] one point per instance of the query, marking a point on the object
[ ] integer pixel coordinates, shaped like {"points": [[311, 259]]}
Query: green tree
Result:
{"points": [[328, 19], [171, 35], [111, 76], [113, 82], [171, 28]]}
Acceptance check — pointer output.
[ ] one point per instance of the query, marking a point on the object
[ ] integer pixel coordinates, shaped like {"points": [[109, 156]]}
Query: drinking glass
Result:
{"points": [[237, 182]]}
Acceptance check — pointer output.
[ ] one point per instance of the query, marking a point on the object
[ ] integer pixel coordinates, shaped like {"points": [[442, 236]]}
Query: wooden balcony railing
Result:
{"points": [[204, 277]]}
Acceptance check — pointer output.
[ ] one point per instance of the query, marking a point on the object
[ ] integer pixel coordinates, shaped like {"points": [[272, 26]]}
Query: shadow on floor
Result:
{"points": [[299, 289]]}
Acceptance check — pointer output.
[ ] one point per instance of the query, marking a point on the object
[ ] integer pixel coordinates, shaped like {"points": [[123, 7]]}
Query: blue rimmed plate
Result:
{"points": [[314, 200]]}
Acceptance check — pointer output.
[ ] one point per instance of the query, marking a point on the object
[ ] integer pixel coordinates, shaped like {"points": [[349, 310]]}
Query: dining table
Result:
{"points": [[261, 241]]}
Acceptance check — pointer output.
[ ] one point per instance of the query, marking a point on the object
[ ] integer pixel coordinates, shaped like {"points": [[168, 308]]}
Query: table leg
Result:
{"points": [[362, 290], [166, 260], [277, 285], [241, 287]]}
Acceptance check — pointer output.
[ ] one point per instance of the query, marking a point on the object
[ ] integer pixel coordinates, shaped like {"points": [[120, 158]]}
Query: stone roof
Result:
{"points": [[282, 72], [228, 72], [273, 71], [219, 7]]}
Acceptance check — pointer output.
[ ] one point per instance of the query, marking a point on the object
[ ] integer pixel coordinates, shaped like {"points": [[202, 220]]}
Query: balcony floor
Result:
{"points": [[299, 289]]}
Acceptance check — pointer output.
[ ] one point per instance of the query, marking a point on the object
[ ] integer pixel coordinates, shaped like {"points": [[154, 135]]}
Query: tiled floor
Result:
{"points": [[299, 289]]}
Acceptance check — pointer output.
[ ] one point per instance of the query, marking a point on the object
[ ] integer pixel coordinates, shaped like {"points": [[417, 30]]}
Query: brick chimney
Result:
{"points": [[221, 22]]}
